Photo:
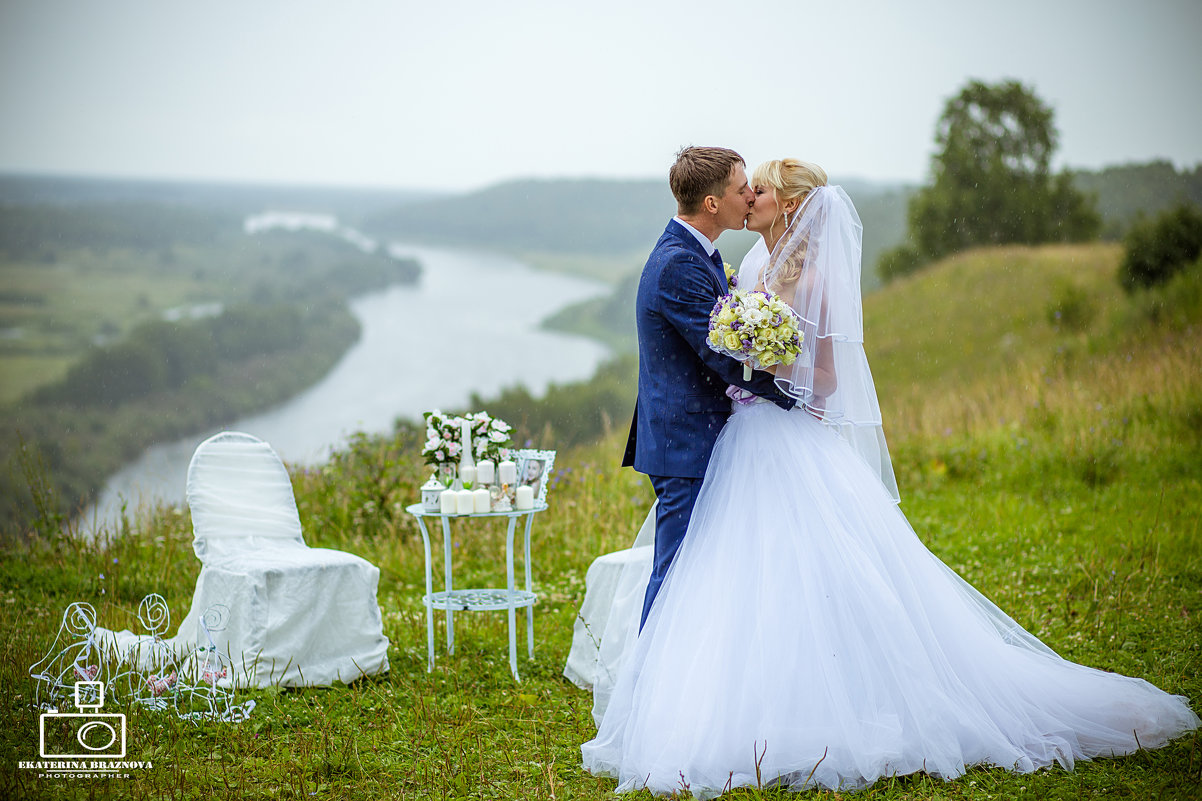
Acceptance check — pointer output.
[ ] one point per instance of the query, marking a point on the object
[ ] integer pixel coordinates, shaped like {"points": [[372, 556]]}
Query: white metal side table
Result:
{"points": [[452, 600]]}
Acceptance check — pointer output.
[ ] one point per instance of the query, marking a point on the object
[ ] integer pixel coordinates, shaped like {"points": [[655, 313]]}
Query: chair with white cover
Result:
{"points": [[298, 616], [608, 622]]}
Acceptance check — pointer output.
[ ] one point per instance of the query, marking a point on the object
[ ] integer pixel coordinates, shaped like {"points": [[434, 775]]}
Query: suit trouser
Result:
{"points": [[676, 498]]}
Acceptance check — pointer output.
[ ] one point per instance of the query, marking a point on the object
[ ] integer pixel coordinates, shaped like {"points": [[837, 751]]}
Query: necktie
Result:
{"points": [[716, 258]]}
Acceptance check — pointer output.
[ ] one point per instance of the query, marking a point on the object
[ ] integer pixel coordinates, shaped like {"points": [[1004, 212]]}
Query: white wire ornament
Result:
{"points": [[151, 672], [74, 657], [153, 668], [208, 694]]}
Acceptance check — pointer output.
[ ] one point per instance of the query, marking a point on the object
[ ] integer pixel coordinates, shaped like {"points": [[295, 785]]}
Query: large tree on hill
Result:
{"points": [[992, 181]]}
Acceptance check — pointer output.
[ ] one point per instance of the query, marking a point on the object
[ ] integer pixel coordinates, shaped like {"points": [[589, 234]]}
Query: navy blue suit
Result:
{"points": [[682, 402]]}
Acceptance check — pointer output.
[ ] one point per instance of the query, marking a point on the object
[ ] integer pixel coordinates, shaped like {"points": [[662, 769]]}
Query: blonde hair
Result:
{"points": [[789, 179]]}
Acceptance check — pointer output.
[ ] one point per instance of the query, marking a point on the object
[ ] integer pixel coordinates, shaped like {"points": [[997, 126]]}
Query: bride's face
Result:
{"points": [[765, 210]]}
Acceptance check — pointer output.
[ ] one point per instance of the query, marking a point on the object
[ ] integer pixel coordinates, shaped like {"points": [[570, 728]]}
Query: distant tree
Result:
{"points": [[898, 261], [992, 182], [1159, 248]]}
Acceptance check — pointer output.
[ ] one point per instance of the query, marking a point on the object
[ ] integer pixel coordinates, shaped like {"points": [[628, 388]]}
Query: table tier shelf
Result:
{"points": [[482, 600]]}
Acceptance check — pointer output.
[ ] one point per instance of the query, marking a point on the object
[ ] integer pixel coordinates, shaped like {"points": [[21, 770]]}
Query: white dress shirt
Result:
{"points": [[702, 238]]}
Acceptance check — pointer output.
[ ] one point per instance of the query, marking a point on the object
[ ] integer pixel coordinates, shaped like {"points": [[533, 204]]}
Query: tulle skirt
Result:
{"points": [[805, 636]]}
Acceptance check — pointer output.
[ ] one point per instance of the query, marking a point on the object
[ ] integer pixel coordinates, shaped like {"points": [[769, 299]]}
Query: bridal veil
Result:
{"points": [[817, 261]]}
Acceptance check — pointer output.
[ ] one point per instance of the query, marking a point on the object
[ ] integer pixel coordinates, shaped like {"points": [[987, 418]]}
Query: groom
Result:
{"points": [[682, 402]]}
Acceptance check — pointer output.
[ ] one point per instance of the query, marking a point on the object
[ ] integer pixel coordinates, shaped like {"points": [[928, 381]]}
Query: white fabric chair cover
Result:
{"points": [[298, 616], [608, 621]]}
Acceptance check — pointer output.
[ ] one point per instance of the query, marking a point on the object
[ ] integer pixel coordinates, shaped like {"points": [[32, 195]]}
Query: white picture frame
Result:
{"points": [[528, 461]]}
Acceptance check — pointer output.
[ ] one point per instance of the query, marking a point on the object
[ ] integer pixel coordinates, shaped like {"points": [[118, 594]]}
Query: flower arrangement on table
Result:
{"points": [[473, 449], [756, 328], [490, 438]]}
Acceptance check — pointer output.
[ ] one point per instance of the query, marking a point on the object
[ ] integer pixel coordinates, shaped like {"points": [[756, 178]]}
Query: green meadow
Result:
{"points": [[1046, 429]]}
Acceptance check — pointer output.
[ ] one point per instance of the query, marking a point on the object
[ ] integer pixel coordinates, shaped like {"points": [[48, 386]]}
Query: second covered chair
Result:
{"points": [[298, 616]]}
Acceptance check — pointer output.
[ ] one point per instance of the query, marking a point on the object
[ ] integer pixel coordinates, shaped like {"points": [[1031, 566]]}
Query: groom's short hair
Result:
{"points": [[698, 172]]}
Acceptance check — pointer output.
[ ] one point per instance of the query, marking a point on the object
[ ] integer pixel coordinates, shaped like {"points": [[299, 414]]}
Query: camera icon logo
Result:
{"points": [[85, 734]]}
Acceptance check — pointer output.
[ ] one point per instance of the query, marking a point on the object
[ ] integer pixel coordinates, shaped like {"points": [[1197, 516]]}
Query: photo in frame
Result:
{"points": [[534, 470]]}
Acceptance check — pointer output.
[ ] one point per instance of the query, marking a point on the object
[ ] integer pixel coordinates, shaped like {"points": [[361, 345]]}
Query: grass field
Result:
{"points": [[1054, 462]]}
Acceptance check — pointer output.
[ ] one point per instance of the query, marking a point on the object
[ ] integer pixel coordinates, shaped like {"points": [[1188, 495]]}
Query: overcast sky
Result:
{"points": [[458, 94]]}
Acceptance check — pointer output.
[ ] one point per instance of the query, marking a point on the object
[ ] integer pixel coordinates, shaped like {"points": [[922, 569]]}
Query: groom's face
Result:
{"points": [[735, 201]]}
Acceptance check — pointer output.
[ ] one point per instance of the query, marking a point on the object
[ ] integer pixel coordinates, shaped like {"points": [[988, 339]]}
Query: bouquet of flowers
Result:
{"points": [[444, 435], [756, 328], [490, 437]]}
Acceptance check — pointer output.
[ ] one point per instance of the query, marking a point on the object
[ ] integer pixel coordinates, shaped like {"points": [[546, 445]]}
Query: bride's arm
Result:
{"points": [[825, 381]]}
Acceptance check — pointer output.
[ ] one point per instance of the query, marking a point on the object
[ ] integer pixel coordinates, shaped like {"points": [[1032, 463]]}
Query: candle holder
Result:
{"points": [[467, 474], [431, 491], [500, 500], [446, 474]]}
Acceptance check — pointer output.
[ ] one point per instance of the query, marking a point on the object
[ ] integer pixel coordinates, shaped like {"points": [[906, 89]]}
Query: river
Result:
{"points": [[470, 324]]}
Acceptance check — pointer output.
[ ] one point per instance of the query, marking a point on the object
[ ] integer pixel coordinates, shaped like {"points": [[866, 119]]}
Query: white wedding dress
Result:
{"points": [[804, 635], [804, 632]]}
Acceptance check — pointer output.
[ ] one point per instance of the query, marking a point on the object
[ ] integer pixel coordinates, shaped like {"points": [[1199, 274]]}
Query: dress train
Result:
{"points": [[805, 636]]}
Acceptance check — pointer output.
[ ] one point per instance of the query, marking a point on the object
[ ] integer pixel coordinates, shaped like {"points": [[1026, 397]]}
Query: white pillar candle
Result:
{"points": [[465, 439], [483, 500], [485, 472], [466, 502], [507, 473], [468, 474], [448, 502], [525, 499]]}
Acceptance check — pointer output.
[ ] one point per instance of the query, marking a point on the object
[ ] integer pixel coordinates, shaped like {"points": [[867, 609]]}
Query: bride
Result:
{"points": [[804, 635]]}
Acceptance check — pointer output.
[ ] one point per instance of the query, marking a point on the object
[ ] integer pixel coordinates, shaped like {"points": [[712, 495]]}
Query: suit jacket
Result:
{"points": [[682, 402]]}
